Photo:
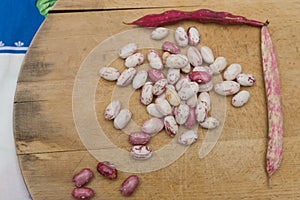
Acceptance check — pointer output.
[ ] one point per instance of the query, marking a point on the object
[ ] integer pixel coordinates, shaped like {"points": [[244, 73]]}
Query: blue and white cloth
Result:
{"points": [[19, 21]]}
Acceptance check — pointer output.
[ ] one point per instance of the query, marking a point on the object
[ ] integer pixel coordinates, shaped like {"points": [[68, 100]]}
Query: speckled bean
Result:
{"points": [[141, 152], [139, 138], [82, 193], [193, 36], [226, 88], [210, 123], [107, 170], [129, 185], [122, 119], [245, 79], [171, 126], [207, 54], [188, 137], [155, 60], [82, 177], [139, 79], [181, 37], [134, 60], [170, 47], [127, 50], [155, 74], [181, 113], [176, 61], [152, 126], [232, 72], [146, 95], [112, 110], [159, 87], [159, 33], [194, 56], [240, 99], [126, 77], [109, 73]]}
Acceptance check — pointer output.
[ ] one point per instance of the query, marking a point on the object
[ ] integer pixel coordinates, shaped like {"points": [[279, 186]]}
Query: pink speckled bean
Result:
{"points": [[129, 185], [155, 74], [191, 120], [83, 177], [170, 47], [107, 169], [82, 193], [136, 138]]}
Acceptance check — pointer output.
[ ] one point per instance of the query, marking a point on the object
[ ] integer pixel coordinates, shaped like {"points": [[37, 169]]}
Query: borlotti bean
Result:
{"points": [[240, 99], [170, 47], [129, 185], [122, 119], [207, 54], [128, 50], [134, 60], [201, 112], [245, 79], [159, 87], [172, 96], [164, 56], [226, 88], [164, 107], [195, 87], [181, 37], [200, 77], [83, 177], [107, 170], [112, 110], [173, 75], [126, 77], [232, 72], [152, 110], [210, 123], [192, 101], [171, 126], [155, 60], [186, 91], [203, 69], [181, 113], [141, 152], [187, 68], [188, 137], [162, 96], [204, 98], [139, 79], [206, 87], [194, 56], [191, 120], [139, 138], [109, 73], [155, 74], [181, 82], [176, 61], [193, 36], [152, 126], [219, 65], [146, 95], [159, 33]]}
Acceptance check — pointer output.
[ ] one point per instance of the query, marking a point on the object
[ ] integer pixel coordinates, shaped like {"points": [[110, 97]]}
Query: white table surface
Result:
{"points": [[12, 186]]}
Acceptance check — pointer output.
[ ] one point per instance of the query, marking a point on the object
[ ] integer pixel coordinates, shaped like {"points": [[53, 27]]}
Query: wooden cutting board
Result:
{"points": [[50, 150]]}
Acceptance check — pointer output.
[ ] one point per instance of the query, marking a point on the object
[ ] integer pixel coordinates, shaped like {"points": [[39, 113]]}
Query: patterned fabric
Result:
{"points": [[19, 21]]}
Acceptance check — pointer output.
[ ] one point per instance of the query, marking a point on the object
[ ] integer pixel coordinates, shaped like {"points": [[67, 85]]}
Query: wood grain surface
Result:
{"points": [[50, 150]]}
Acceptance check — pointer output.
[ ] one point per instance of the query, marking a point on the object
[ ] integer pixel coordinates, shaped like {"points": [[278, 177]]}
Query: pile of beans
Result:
{"points": [[106, 169], [175, 90]]}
